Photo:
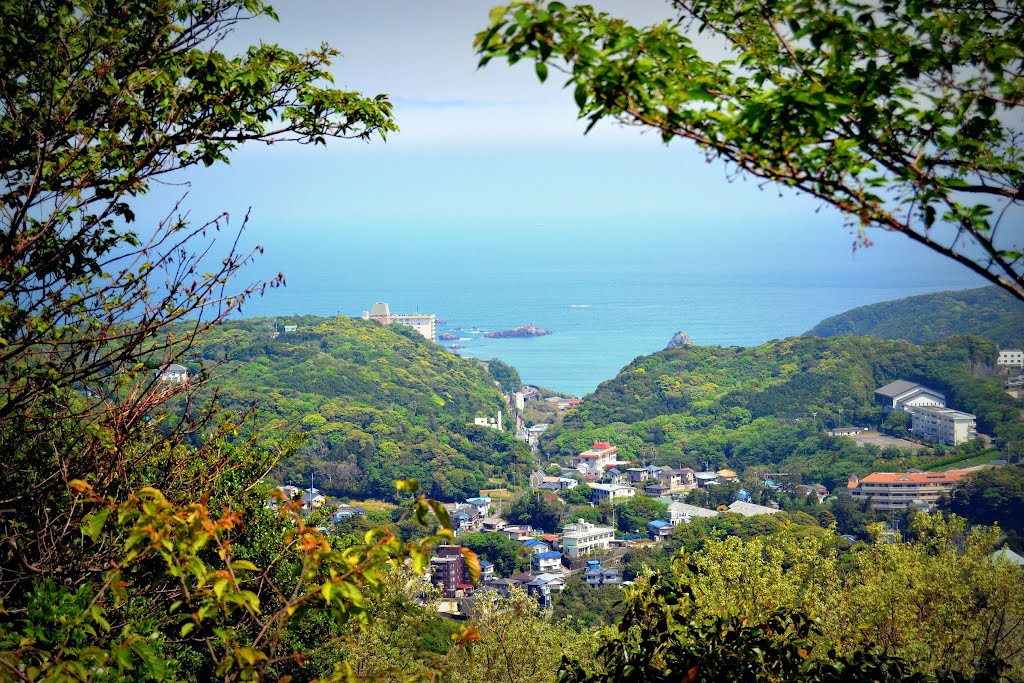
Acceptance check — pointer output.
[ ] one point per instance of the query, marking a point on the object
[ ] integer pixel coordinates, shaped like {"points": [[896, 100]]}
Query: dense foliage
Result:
{"points": [[993, 497], [986, 312], [377, 403], [769, 405], [901, 115], [779, 606]]}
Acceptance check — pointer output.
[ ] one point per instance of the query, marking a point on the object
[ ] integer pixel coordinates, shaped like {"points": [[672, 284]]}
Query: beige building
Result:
{"points": [[424, 323], [890, 491], [944, 425], [1010, 358], [583, 537]]}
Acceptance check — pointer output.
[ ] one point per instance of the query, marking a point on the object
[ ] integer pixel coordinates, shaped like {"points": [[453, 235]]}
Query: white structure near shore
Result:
{"points": [[424, 323]]}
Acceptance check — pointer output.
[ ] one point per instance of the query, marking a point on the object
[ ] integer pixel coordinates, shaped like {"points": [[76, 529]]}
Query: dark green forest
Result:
{"points": [[375, 403], [988, 312]]}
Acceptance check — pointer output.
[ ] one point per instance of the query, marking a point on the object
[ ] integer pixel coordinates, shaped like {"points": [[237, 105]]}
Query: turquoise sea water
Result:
{"points": [[605, 297]]}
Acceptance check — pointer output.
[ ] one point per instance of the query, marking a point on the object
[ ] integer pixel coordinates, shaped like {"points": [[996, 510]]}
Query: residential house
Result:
{"points": [[582, 537], [345, 511], [656, 489], [683, 513], [535, 546], [659, 530], [614, 475], [542, 585], [533, 433], [943, 425], [546, 562], [486, 571], [817, 490], [174, 373], [494, 523], [750, 509], [611, 492], [726, 475], [481, 504], [504, 586], [517, 533], [466, 521], [289, 492], [705, 479], [677, 479], [638, 475], [311, 500], [596, 575], [567, 403], [901, 395], [890, 491]]}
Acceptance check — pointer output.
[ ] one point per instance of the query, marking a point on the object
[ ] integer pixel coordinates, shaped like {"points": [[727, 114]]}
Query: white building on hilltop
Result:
{"points": [[424, 323]]}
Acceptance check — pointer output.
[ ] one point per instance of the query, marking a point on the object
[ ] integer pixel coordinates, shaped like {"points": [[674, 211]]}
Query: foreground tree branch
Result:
{"points": [[903, 116]]}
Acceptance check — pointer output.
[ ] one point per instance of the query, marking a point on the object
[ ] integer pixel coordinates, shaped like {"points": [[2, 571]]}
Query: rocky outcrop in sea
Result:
{"points": [[679, 339]]}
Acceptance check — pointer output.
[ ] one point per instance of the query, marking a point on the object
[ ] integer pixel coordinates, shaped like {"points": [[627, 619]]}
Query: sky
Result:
{"points": [[495, 162]]}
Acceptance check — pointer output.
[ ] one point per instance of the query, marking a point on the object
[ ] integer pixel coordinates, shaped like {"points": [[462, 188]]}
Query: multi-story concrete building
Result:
{"points": [[597, 458], [584, 537], [424, 323], [609, 493], [903, 395], [1010, 358], [944, 425], [448, 570], [891, 491]]}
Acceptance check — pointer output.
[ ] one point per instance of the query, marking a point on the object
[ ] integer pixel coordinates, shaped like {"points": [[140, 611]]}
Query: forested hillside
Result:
{"points": [[769, 405], [988, 312], [377, 403]]}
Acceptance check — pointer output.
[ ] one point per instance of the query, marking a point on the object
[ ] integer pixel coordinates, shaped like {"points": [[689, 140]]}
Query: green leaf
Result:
{"points": [[542, 71], [93, 523], [409, 485], [580, 95]]}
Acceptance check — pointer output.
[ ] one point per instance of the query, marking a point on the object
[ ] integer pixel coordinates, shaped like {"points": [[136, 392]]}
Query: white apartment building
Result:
{"points": [[944, 425], [583, 537], [609, 493], [1010, 358]]}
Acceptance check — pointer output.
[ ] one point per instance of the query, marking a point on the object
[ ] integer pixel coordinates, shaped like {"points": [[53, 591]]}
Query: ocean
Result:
{"points": [[606, 297]]}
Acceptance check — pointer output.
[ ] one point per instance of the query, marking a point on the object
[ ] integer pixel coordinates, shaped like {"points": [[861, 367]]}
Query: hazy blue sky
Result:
{"points": [[491, 167]]}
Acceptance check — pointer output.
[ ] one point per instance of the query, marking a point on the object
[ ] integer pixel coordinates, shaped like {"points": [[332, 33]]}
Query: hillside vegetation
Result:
{"points": [[377, 403], [769, 405], [987, 312]]}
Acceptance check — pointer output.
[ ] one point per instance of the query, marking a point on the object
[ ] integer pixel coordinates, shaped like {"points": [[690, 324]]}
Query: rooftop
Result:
{"points": [[893, 389], [750, 509], [949, 476]]}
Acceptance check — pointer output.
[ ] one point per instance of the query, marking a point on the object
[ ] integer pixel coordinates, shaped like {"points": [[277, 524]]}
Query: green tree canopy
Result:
{"points": [[901, 115]]}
